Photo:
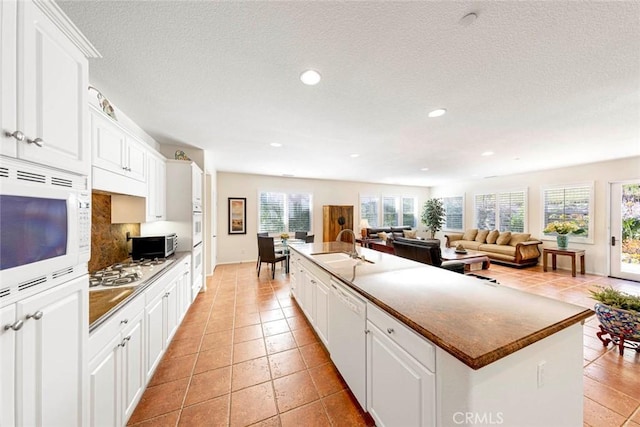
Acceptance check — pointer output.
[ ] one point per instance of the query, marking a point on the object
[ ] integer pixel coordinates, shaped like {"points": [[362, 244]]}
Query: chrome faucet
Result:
{"points": [[354, 253]]}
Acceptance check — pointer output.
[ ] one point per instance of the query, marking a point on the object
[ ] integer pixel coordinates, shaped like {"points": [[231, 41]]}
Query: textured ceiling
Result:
{"points": [[541, 84]]}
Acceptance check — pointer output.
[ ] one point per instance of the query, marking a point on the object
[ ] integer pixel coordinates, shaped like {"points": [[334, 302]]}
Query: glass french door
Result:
{"points": [[625, 230]]}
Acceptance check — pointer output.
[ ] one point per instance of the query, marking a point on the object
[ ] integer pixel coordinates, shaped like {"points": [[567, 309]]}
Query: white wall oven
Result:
{"points": [[197, 228], [45, 228]]}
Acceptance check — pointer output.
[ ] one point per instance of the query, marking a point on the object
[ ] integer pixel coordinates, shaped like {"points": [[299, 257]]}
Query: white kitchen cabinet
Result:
{"points": [[44, 357], [115, 150], [185, 288], [309, 284], [399, 363], [117, 374], [322, 312], [161, 318], [156, 187], [196, 177], [46, 99], [9, 328]]}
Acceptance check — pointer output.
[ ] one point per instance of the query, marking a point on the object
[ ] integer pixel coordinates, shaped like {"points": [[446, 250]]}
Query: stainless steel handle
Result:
{"points": [[166, 295], [19, 136], [38, 141], [314, 282], [390, 330], [124, 341], [334, 286], [37, 315], [366, 331], [124, 322], [16, 326]]}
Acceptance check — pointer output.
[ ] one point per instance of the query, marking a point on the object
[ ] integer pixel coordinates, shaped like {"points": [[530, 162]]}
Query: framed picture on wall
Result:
{"points": [[237, 215]]}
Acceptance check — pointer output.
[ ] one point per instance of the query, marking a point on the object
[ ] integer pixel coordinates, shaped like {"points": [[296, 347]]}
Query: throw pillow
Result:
{"points": [[518, 238], [482, 236], [503, 238], [492, 237], [470, 234], [410, 234], [384, 236]]}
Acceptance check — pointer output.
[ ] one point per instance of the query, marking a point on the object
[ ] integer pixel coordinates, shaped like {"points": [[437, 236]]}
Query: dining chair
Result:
{"points": [[265, 234], [309, 238], [301, 235], [267, 254]]}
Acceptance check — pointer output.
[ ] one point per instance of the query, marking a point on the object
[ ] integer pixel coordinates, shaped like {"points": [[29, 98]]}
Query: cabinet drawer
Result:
{"points": [[414, 344], [319, 273], [112, 327]]}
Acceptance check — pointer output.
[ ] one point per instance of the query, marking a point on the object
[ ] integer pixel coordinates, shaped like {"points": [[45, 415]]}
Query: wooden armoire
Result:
{"points": [[331, 215]]}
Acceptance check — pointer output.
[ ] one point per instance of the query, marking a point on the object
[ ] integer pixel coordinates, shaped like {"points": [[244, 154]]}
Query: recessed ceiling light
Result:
{"points": [[487, 153], [354, 155], [424, 169], [437, 113], [275, 144], [310, 77]]}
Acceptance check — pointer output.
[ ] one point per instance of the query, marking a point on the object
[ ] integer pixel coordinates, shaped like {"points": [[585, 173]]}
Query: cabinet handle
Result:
{"points": [[19, 136], [37, 315], [390, 330], [124, 341], [38, 141], [125, 321], [16, 326], [366, 331]]}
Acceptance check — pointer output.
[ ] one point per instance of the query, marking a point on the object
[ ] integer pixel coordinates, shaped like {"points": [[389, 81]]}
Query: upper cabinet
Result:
{"points": [[156, 197], [115, 150], [44, 112]]}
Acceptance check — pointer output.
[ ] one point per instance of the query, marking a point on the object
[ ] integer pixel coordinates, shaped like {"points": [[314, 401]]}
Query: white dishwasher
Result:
{"points": [[347, 340]]}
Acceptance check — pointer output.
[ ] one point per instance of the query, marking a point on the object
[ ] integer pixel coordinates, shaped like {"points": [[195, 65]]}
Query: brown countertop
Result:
{"points": [[475, 321], [104, 303]]}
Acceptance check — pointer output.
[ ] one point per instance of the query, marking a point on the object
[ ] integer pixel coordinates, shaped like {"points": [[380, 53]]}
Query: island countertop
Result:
{"points": [[475, 321]]}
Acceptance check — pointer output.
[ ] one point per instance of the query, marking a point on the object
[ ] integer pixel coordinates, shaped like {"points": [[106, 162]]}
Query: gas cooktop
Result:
{"points": [[127, 273]]}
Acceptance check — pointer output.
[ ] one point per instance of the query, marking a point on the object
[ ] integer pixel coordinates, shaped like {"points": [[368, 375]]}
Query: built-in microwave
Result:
{"points": [[45, 227]]}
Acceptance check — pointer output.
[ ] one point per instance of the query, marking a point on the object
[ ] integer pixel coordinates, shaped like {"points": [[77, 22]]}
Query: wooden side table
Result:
{"points": [[568, 252]]}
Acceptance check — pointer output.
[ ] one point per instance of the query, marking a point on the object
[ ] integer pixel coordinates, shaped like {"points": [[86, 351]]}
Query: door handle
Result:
{"points": [[613, 240]]}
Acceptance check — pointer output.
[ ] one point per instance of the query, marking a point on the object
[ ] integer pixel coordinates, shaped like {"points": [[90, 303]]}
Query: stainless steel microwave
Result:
{"points": [[150, 247]]}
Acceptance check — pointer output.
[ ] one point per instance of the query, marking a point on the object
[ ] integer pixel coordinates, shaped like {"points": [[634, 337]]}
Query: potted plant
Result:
{"points": [[433, 215], [619, 316], [562, 230]]}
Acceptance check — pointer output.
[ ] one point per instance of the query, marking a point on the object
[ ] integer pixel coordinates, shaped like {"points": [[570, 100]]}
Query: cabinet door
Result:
{"points": [[154, 327], [108, 144], [156, 172], [322, 312], [310, 283], [136, 160], [196, 177], [184, 291], [133, 372], [52, 350], [105, 386], [171, 312], [8, 117], [7, 365], [392, 372], [52, 86]]}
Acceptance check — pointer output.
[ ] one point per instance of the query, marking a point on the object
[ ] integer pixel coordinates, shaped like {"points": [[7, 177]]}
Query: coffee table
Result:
{"points": [[471, 257]]}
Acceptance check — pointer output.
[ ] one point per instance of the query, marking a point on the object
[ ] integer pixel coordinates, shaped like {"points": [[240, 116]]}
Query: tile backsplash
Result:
{"points": [[108, 241]]}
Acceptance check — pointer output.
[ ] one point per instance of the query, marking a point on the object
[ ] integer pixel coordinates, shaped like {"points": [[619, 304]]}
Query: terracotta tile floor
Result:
{"points": [[245, 355]]}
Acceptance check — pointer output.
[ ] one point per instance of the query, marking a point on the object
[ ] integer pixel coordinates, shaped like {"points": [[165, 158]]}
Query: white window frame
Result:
{"points": [[380, 208], [589, 239], [462, 202], [496, 195], [286, 209]]}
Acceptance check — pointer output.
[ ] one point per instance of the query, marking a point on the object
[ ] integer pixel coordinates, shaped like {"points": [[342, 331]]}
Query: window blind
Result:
{"points": [[568, 204], [454, 212]]}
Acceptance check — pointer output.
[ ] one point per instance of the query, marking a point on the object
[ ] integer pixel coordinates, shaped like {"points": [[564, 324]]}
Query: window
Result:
{"points": [[393, 210], [389, 211], [369, 209], [284, 212], [569, 204], [501, 211], [409, 211], [454, 211]]}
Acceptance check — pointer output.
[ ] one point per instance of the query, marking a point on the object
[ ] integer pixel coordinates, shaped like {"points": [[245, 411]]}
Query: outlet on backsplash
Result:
{"points": [[109, 243]]}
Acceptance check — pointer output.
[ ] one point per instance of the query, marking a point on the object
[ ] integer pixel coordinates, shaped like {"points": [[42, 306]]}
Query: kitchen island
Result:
{"points": [[443, 348]]}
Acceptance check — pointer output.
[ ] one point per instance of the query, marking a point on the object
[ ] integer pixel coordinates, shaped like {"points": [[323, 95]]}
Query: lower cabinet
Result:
{"points": [[322, 312], [43, 357], [400, 388], [125, 351], [117, 375]]}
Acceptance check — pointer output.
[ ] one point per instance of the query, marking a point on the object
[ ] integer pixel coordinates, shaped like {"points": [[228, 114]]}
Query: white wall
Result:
{"points": [[601, 174], [244, 247]]}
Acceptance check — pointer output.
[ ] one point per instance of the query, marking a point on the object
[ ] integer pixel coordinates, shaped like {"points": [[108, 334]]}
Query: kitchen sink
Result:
{"points": [[339, 259]]}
